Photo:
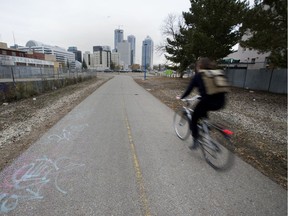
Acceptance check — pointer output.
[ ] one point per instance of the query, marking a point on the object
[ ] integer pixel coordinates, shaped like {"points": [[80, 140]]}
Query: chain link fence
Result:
{"points": [[17, 82]]}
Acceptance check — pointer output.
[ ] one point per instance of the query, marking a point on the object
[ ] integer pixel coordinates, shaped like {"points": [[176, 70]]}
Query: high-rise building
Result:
{"points": [[101, 48], [147, 53], [104, 56], [132, 40], [125, 54], [100, 59], [118, 37], [78, 53], [115, 58]]}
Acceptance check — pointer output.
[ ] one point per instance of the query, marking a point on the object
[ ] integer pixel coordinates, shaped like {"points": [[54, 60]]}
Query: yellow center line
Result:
{"points": [[137, 169]]}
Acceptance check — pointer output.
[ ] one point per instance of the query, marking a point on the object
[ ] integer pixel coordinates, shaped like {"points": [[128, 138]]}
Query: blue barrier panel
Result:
{"points": [[279, 81], [258, 79]]}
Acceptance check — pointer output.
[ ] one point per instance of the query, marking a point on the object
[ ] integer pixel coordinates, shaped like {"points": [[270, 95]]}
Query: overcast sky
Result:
{"points": [[85, 23]]}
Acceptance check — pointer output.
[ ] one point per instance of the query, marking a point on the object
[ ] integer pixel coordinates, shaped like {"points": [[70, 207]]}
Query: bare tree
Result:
{"points": [[169, 29]]}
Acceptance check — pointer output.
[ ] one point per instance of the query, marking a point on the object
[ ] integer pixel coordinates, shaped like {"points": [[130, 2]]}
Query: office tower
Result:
{"points": [[101, 48], [100, 59], [97, 60], [78, 53], [87, 58], [132, 41], [115, 58], [118, 37], [125, 54], [147, 53]]}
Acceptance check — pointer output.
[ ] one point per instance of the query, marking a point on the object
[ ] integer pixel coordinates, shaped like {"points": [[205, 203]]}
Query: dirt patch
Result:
{"points": [[258, 120]]}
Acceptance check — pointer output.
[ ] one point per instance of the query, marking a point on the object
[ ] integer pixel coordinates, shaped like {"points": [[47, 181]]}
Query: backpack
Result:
{"points": [[215, 81]]}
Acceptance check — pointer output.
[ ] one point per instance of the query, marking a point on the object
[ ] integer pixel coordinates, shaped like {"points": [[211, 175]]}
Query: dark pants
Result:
{"points": [[209, 103]]}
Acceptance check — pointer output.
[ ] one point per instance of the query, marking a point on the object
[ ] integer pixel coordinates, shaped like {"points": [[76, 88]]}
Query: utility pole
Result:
{"points": [[145, 45], [14, 39]]}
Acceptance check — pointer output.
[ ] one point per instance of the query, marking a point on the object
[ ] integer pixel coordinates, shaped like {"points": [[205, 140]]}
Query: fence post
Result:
{"points": [[41, 72], [270, 80], [13, 77], [244, 84]]}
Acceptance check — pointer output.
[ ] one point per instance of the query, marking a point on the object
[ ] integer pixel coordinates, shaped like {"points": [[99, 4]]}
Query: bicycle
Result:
{"points": [[213, 138]]}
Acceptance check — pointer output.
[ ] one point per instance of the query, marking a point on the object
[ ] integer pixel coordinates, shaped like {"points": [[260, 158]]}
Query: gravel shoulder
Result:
{"points": [[258, 119]]}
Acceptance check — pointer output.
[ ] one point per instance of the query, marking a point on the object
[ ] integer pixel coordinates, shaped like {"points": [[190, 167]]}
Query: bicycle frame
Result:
{"points": [[190, 102], [212, 137], [205, 138], [188, 112], [204, 125]]}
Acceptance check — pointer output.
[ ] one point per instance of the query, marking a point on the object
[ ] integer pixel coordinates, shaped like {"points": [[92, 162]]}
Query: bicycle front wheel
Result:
{"points": [[181, 124], [216, 152]]}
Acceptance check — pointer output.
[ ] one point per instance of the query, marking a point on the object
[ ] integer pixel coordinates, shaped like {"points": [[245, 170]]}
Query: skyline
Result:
{"points": [[87, 23]]}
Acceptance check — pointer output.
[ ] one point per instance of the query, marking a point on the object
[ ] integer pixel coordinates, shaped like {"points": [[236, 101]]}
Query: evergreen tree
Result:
{"points": [[211, 29], [177, 53], [266, 27]]}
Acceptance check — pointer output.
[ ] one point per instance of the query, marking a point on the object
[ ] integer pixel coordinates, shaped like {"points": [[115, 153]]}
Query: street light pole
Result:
{"points": [[145, 45]]}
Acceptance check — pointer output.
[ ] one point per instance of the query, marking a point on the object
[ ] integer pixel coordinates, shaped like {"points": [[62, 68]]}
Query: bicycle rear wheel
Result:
{"points": [[181, 124], [217, 155]]}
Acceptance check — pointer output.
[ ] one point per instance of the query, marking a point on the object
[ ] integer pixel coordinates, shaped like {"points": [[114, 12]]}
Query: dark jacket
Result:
{"points": [[198, 82]]}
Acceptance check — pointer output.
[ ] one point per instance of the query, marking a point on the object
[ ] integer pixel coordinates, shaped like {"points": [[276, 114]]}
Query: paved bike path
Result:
{"points": [[116, 154]]}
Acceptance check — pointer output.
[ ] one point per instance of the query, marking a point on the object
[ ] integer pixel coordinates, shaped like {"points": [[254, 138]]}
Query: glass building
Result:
{"points": [[78, 53], [132, 40], [118, 37], [147, 53], [125, 53]]}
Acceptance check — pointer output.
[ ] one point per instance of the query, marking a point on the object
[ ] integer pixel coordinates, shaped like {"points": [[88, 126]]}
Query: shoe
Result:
{"points": [[194, 145]]}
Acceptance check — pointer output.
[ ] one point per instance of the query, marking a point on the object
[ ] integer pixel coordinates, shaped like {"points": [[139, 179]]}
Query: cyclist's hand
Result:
{"points": [[178, 97]]}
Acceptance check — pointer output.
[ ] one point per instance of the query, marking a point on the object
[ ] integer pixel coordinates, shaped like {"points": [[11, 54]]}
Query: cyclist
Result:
{"points": [[207, 102]]}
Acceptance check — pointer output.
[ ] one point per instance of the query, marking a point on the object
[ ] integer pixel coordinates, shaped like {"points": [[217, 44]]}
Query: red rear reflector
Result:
{"points": [[227, 132]]}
